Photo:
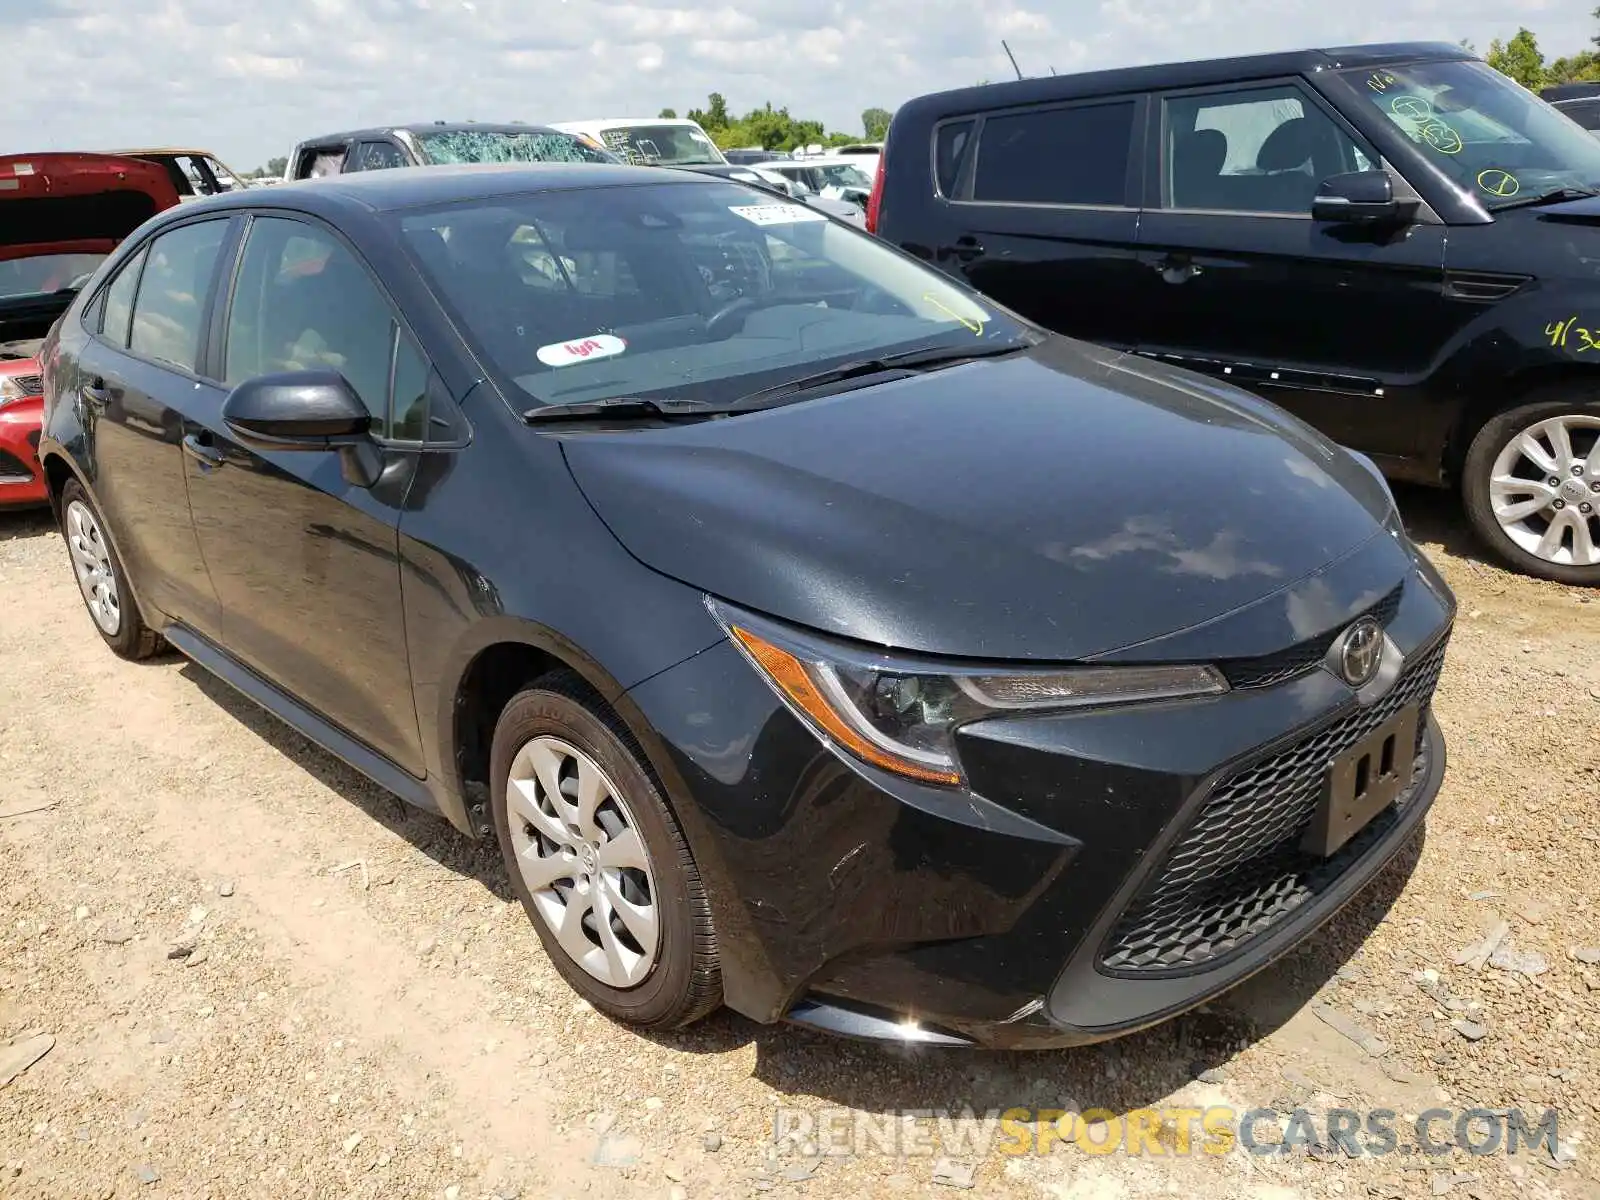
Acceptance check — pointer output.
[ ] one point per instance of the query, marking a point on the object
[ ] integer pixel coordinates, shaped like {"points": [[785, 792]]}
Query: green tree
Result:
{"points": [[1583, 67], [669, 114], [1520, 59], [875, 123]]}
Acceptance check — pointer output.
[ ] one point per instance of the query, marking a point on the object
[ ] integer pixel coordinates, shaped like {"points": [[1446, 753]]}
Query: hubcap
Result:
{"points": [[1544, 487], [91, 562], [579, 852]]}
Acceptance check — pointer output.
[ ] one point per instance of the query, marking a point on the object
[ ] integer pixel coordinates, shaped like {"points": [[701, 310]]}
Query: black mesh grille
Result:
{"points": [[12, 467], [1275, 668], [1239, 868], [29, 385]]}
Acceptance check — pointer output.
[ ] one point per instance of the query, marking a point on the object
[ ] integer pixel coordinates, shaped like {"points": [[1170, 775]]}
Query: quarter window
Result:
{"points": [[119, 302], [171, 304], [1056, 156], [303, 302], [1257, 150], [950, 145]]}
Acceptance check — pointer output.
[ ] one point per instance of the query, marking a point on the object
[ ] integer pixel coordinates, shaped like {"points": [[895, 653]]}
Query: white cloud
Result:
{"points": [[249, 80]]}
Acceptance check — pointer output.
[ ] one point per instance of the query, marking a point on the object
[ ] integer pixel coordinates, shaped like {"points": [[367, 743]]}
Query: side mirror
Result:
{"points": [[1364, 196], [305, 410]]}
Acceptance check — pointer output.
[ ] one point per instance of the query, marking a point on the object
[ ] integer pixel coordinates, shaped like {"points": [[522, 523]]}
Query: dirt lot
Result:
{"points": [[265, 977]]}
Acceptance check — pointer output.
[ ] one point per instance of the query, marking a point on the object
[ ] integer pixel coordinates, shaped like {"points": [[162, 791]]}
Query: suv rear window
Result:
{"points": [[1056, 156]]}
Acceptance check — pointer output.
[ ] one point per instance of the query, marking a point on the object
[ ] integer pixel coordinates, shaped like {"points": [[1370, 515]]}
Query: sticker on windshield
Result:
{"points": [[564, 354], [1499, 183], [776, 214]]}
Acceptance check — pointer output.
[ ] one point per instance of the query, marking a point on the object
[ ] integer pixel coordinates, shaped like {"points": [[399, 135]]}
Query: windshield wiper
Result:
{"points": [[908, 362], [627, 408], [1553, 196], [614, 408]]}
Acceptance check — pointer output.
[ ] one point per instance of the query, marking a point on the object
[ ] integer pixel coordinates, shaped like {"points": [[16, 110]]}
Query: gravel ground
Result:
{"points": [[261, 976]]}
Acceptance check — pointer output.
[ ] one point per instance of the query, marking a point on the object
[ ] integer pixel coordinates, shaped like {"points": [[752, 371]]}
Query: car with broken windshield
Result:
{"points": [[812, 635], [440, 143]]}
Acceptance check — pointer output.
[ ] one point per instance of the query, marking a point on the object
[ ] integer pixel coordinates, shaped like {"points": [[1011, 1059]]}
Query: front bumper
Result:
{"points": [[22, 480], [1078, 888]]}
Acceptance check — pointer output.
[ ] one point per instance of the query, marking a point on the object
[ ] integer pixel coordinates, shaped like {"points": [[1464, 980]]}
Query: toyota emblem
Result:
{"points": [[1361, 652]]}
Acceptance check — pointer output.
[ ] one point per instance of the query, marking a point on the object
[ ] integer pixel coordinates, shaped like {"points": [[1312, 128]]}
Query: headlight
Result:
{"points": [[901, 715], [11, 390]]}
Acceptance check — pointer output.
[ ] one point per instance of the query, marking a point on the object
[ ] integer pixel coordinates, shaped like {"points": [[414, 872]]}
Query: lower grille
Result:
{"points": [[1238, 869], [13, 468]]}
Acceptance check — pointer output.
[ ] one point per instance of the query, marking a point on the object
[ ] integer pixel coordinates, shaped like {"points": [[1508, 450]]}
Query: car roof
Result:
{"points": [[412, 187], [1196, 73], [593, 121]]}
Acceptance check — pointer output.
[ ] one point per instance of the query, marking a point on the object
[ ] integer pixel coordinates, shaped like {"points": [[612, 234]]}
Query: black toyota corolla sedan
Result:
{"points": [[814, 636]]}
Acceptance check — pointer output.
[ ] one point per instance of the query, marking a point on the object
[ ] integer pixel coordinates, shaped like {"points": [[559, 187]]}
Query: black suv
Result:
{"points": [[1395, 242]]}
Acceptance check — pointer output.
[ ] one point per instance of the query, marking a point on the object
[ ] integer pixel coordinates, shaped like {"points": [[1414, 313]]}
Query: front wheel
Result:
{"points": [[1531, 485], [598, 860]]}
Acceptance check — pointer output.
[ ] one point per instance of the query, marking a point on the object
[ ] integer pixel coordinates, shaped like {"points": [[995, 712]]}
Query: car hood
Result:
{"points": [[76, 203], [1056, 505], [1583, 211]]}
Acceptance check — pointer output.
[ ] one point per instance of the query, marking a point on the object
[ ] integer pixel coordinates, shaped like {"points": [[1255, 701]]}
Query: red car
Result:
{"points": [[60, 215]]}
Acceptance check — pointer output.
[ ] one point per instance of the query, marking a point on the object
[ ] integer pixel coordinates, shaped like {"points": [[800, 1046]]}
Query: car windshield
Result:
{"points": [[674, 145], [699, 291], [44, 274], [1483, 130], [492, 146]]}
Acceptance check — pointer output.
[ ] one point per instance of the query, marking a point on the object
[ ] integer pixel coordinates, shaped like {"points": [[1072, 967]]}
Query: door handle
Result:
{"points": [[1176, 269], [197, 446], [968, 248]]}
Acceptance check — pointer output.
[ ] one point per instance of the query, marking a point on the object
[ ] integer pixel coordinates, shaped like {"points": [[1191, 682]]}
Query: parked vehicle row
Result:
{"points": [[1391, 242], [928, 637]]}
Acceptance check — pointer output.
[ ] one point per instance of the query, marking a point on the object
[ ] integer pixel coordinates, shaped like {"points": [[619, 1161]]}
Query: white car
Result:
{"points": [[836, 178], [656, 141]]}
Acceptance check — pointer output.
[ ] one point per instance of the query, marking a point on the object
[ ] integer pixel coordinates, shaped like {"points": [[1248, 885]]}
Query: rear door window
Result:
{"points": [[170, 308], [119, 302], [1075, 155]]}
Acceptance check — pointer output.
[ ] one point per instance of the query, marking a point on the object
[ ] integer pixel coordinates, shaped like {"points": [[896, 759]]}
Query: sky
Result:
{"points": [[247, 79]]}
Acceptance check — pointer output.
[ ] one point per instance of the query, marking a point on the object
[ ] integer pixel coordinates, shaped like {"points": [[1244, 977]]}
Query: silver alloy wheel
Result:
{"points": [[1545, 490], [91, 561], [579, 852]]}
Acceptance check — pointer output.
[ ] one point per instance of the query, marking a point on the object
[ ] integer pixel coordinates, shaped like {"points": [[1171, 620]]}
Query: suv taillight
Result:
{"points": [[875, 201]]}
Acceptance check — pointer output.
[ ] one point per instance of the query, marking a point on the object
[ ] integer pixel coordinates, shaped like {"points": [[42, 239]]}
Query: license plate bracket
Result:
{"points": [[1363, 781]]}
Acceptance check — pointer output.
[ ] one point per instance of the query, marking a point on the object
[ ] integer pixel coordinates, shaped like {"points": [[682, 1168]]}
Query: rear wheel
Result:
{"points": [[598, 860], [1531, 485], [102, 580]]}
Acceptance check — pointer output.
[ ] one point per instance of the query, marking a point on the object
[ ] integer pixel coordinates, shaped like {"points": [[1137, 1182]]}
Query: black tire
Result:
{"points": [[133, 639], [1477, 469], [685, 981]]}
